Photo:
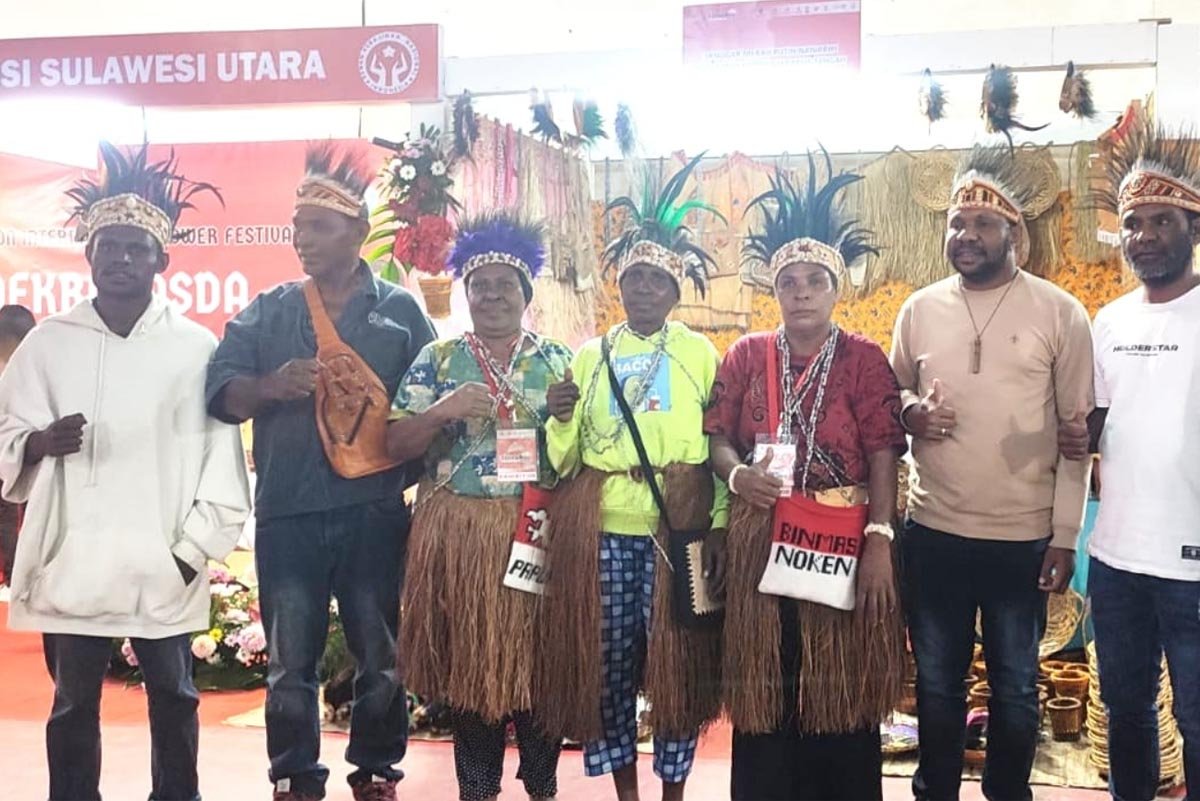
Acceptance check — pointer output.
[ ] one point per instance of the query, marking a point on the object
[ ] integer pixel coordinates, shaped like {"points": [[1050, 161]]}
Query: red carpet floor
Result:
{"points": [[233, 760]]}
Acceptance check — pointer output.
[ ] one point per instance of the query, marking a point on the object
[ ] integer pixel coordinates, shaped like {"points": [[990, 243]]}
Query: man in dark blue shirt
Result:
{"points": [[319, 534]]}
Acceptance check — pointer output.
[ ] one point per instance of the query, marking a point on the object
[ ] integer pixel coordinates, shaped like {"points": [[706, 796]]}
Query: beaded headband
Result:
{"points": [[1146, 185], [808, 251], [654, 255], [328, 194], [497, 257], [127, 209]]}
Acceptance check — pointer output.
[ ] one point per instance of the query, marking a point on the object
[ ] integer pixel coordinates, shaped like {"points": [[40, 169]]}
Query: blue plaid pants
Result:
{"points": [[626, 592]]}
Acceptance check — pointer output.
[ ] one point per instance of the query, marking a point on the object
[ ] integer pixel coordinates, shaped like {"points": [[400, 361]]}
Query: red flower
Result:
{"points": [[403, 247], [432, 239]]}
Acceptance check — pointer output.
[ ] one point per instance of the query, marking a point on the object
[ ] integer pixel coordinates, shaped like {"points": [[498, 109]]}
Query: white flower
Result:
{"points": [[438, 168], [408, 172], [236, 616], [203, 646], [245, 657], [333, 607]]}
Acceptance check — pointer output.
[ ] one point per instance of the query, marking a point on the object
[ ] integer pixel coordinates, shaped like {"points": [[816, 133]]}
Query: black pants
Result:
{"points": [[77, 665], [947, 578], [479, 756], [785, 765], [356, 554]]}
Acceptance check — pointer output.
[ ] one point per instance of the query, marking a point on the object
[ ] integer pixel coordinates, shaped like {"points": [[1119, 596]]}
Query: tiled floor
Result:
{"points": [[232, 760]]}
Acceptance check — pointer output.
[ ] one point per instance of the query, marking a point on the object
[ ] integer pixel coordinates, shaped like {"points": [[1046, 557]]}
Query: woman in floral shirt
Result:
{"points": [[473, 408]]}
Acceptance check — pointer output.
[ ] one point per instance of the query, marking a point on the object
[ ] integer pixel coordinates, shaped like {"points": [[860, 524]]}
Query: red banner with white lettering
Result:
{"points": [[228, 255], [230, 68], [777, 32]]}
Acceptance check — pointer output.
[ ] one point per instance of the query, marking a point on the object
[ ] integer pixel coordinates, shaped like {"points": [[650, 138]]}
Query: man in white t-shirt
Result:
{"points": [[1144, 577]]}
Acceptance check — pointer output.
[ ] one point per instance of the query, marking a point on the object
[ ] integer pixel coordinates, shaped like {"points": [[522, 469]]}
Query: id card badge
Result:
{"points": [[517, 454], [783, 460]]}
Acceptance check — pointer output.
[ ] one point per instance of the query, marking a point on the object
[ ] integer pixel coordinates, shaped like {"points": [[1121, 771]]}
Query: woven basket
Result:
{"points": [[1066, 717], [1070, 684], [436, 290], [978, 695]]}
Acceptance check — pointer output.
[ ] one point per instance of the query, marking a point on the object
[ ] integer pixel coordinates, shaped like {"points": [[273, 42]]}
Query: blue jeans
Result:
{"points": [[1136, 618], [946, 579], [355, 554], [77, 664]]}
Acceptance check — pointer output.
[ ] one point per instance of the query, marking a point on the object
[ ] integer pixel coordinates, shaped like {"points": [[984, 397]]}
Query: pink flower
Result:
{"points": [[252, 638], [127, 652]]}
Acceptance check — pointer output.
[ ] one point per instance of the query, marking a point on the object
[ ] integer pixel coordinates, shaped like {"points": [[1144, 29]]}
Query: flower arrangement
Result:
{"points": [[410, 229], [232, 654]]}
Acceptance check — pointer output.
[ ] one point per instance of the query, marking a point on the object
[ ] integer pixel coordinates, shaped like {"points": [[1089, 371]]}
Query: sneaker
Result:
{"points": [[376, 788], [284, 792]]}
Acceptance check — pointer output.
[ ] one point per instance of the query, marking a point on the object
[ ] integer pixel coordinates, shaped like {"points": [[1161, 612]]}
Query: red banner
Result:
{"points": [[779, 32], [319, 65], [229, 255]]}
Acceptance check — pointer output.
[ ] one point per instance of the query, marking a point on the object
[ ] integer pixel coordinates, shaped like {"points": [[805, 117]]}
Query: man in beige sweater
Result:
{"points": [[991, 361]]}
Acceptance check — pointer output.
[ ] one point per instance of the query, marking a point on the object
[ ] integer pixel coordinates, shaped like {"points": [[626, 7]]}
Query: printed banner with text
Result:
{"points": [[229, 254], [774, 32], [230, 68]]}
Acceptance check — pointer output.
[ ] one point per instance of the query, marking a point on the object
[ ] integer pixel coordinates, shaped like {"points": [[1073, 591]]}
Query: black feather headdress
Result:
{"points": [[931, 99], [336, 181], [130, 190], [655, 232], [626, 131], [998, 104], [466, 126], [1151, 163], [805, 223]]}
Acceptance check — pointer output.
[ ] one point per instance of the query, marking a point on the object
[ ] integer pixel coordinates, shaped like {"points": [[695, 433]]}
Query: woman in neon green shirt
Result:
{"points": [[608, 617]]}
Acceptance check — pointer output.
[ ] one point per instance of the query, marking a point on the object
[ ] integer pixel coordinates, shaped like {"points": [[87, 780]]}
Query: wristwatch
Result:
{"points": [[884, 530]]}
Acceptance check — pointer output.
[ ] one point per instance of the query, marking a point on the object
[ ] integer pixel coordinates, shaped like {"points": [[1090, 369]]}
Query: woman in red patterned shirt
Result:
{"points": [[805, 429]]}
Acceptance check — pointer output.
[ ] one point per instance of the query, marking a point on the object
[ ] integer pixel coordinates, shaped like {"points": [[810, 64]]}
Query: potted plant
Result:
{"points": [[410, 229]]}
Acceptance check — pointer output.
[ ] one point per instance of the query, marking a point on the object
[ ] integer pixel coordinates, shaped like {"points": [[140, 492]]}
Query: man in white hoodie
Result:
{"points": [[131, 488]]}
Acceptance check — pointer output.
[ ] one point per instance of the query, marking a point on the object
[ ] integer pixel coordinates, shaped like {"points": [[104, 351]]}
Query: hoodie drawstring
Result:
{"points": [[94, 422]]}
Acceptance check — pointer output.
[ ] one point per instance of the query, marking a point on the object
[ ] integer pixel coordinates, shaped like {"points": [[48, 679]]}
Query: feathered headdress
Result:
{"points": [[589, 125], [335, 181], [931, 99], [804, 224], [129, 190], [1075, 97], [1149, 163], [989, 178], [999, 103], [500, 237], [655, 233]]}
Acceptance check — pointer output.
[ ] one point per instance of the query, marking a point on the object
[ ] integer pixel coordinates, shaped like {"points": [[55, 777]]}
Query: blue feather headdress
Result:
{"points": [[500, 237]]}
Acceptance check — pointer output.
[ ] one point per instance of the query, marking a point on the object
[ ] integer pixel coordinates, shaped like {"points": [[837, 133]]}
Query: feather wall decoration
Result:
{"points": [[543, 118], [998, 104], [626, 131], [466, 126], [589, 125], [1076, 95], [931, 99]]}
